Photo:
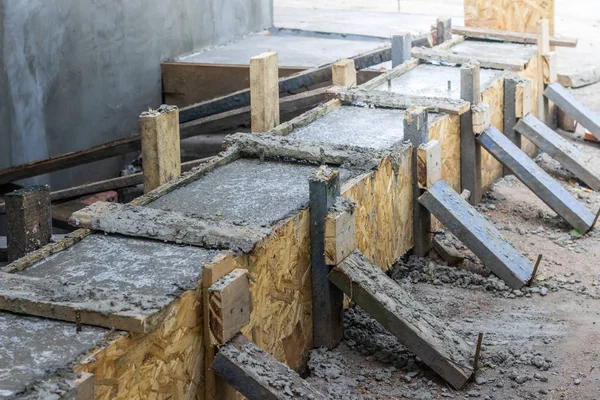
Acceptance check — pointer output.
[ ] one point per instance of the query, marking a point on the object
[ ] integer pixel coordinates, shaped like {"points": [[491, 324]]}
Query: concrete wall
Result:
{"points": [[77, 73]]}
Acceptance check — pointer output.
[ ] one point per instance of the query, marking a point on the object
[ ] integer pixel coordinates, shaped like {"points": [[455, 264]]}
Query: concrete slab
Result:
{"points": [[246, 191], [35, 349], [432, 81], [369, 128], [480, 48], [133, 266], [381, 24], [293, 50]]}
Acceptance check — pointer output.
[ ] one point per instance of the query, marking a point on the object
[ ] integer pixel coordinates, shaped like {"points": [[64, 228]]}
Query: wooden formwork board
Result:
{"points": [[509, 15]]}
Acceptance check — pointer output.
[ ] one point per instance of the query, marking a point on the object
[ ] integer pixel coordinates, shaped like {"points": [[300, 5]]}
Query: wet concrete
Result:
{"points": [[364, 127], [246, 191], [293, 51], [132, 266], [34, 349], [432, 81]]}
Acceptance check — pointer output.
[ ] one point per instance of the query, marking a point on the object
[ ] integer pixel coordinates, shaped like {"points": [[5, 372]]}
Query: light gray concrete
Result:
{"points": [[292, 50], [77, 73]]}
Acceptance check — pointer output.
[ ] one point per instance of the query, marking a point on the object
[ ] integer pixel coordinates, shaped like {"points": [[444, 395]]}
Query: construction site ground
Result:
{"points": [[542, 342]]}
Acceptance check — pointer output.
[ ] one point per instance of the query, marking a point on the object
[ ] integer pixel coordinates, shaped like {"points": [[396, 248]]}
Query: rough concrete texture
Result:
{"points": [[35, 349], [77, 73], [350, 22], [246, 191], [131, 266], [292, 50], [482, 48], [432, 81]]}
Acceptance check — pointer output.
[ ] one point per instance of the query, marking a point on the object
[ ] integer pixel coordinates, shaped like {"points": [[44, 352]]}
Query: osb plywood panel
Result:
{"points": [[492, 170], [447, 131], [384, 210], [165, 364], [281, 321], [509, 15]]}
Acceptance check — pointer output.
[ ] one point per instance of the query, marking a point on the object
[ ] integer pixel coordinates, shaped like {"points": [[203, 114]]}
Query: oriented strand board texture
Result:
{"points": [[509, 15], [492, 170], [384, 210], [165, 364], [447, 131], [281, 321]]}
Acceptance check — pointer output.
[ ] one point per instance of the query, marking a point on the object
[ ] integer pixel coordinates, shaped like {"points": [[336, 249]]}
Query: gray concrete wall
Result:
{"points": [[77, 73]]}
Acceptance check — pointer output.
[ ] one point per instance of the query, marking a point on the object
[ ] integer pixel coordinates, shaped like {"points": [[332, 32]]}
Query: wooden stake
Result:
{"points": [[29, 220], [470, 150], [264, 92], [477, 352], [416, 130], [444, 30], [344, 73], [328, 301], [401, 47], [161, 155], [543, 43], [535, 268]]}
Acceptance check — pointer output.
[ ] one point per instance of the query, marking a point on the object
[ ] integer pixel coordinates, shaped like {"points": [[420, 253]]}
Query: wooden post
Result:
{"points": [[549, 66], [401, 47], [417, 132], [517, 104], [444, 30], [328, 301], [161, 156], [470, 150], [28, 220], [344, 73], [264, 92], [543, 43]]}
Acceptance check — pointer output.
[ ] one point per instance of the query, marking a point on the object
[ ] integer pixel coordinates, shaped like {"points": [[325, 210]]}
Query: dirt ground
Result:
{"points": [[542, 342]]}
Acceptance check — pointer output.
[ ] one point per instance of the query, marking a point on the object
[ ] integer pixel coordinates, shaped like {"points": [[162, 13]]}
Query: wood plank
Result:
{"points": [[443, 30], [416, 131], [536, 179], [82, 304], [429, 163], [229, 306], [572, 106], [340, 233], [327, 300], [558, 148], [190, 83], [264, 92], [167, 226], [506, 36], [290, 107], [161, 154], [259, 376], [481, 237], [304, 79], [344, 73], [481, 118], [401, 45], [470, 151], [410, 321], [397, 100], [503, 62], [28, 220]]}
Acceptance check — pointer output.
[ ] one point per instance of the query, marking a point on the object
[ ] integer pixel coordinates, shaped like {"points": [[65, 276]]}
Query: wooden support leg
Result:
{"points": [[417, 132], [517, 104], [264, 92], [543, 43], [444, 30], [401, 46], [29, 220], [328, 301], [344, 73], [161, 155], [470, 150]]}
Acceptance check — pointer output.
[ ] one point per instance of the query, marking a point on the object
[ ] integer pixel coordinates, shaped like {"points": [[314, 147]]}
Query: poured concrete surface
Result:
{"points": [[35, 348], [488, 49], [365, 127], [432, 81], [381, 24], [293, 51], [246, 191], [133, 266]]}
